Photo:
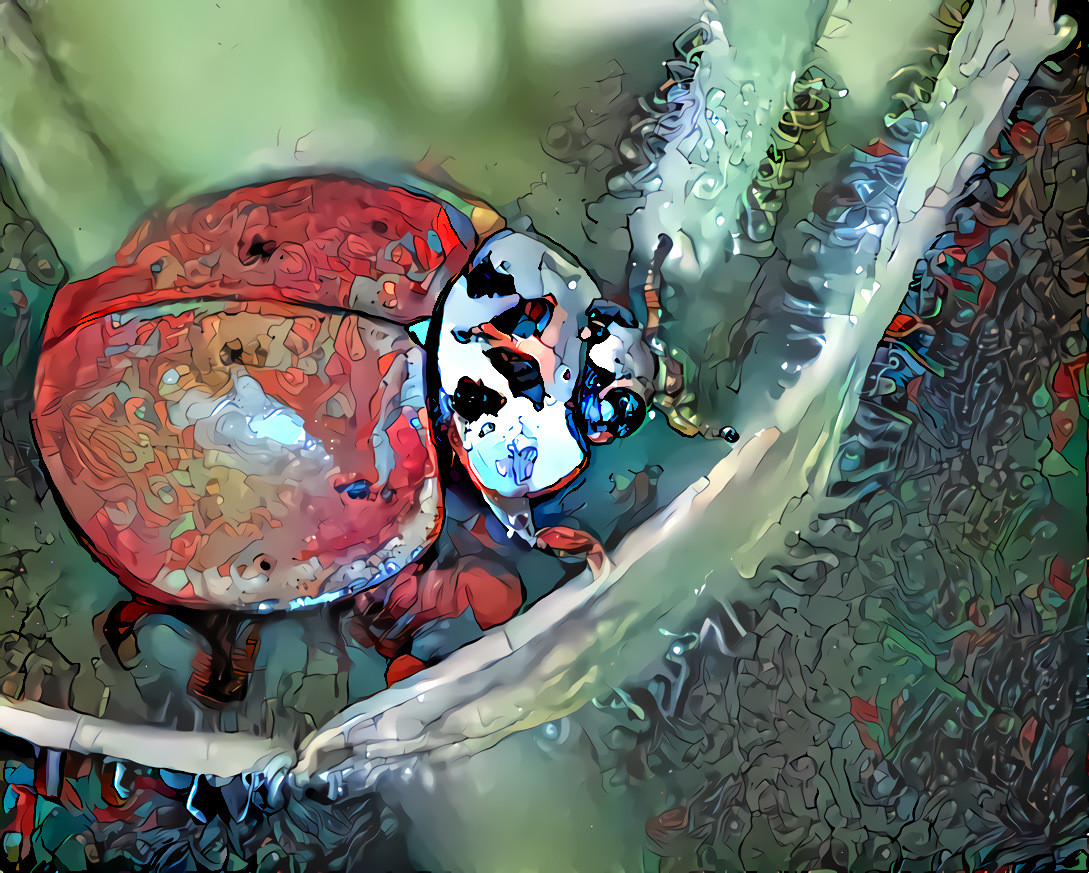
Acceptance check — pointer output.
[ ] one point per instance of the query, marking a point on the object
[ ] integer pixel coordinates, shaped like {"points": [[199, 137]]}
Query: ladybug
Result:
{"points": [[237, 416]]}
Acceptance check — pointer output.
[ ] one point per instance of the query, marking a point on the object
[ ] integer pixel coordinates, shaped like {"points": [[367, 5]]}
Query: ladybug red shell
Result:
{"points": [[234, 415]]}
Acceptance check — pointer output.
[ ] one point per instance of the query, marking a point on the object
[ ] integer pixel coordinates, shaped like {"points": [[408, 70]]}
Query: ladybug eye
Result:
{"points": [[619, 414], [157, 267]]}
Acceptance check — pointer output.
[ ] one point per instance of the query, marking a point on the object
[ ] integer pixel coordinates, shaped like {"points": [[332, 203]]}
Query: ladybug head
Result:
{"points": [[530, 367]]}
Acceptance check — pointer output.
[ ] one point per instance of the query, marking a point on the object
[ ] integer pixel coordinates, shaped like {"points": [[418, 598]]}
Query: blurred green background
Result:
{"points": [[193, 95]]}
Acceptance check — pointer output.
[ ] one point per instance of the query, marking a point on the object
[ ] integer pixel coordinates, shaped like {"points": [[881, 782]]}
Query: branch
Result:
{"points": [[216, 754], [990, 62]]}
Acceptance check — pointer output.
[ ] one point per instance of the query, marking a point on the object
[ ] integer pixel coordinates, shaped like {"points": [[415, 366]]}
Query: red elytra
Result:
{"points": [[233, 416]]}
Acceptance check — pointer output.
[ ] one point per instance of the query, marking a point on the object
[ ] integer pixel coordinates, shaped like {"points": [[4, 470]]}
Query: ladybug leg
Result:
{"points": [[119, 624], [480, 589], [567, 542], [221, 674], [383, 614], [224, 661], [473, 576], [453, 604], [388, 616], [402, 667], [487, 576]]}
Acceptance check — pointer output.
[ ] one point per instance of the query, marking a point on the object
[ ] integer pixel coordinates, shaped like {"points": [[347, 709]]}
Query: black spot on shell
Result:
{"points": [[474, 399], [484, 280], [521, 372]]}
